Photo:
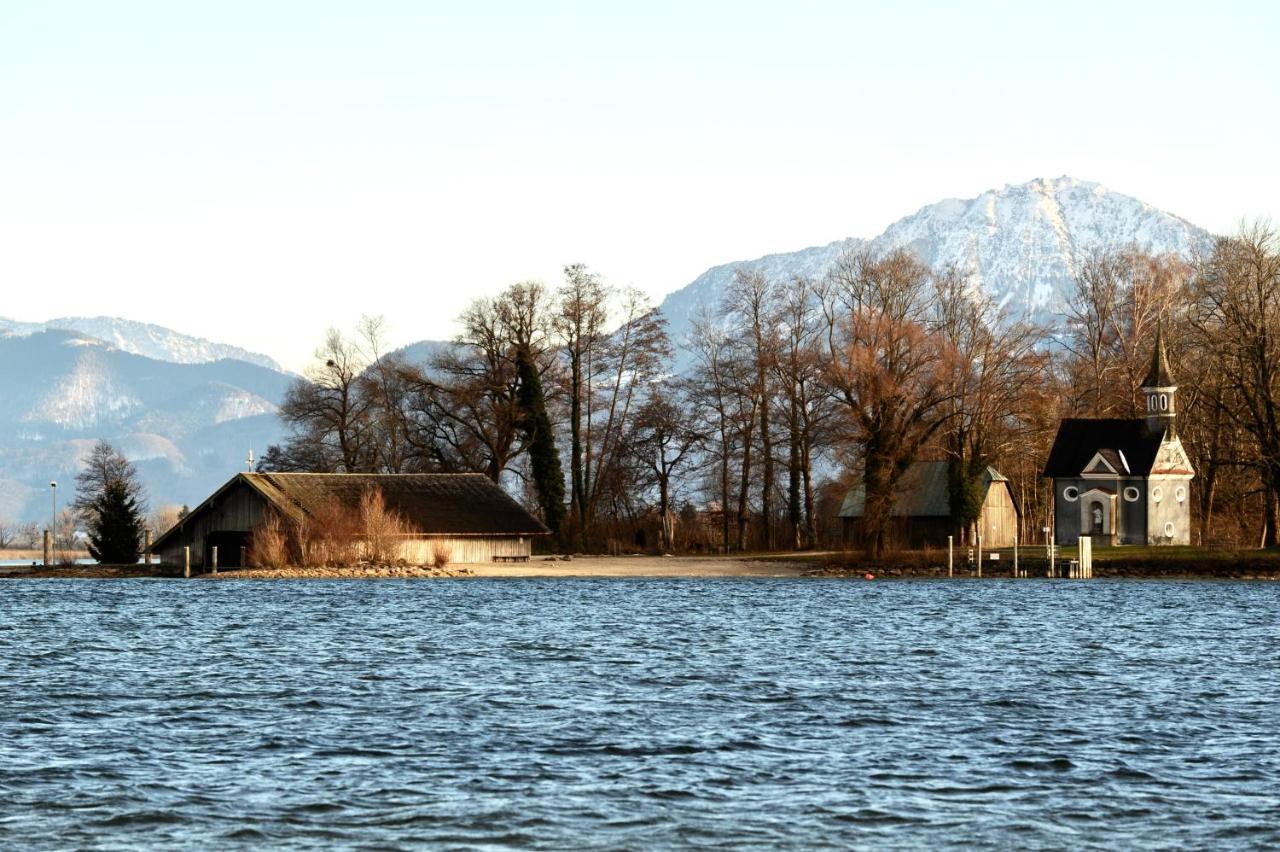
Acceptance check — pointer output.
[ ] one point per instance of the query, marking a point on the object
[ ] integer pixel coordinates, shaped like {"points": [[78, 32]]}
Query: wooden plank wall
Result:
{"points": [[466, 549], [999, 521]]}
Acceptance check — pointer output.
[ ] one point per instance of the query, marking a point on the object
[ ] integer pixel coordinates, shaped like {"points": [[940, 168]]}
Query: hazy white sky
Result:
{"points": [[254, 172]]}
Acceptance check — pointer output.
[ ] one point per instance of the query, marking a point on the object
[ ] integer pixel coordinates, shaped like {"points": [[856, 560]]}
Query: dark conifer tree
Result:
{"points": [[109, 501], [115, 531], [544, 459]]}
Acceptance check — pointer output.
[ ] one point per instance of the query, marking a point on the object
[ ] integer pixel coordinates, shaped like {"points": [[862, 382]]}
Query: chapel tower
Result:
{"points": [[1159, 390]]}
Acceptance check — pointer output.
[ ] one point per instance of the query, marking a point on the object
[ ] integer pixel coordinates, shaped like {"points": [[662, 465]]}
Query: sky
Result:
{"points": [[256, 172]]}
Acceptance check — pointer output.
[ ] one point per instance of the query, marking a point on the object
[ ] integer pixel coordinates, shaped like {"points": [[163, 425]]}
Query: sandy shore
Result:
{"points": [[539, 566]]}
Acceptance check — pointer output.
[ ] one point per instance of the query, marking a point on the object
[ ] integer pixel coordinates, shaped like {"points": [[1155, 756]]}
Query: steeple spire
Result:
{"points": [[1159, 376], [1159, 389]]}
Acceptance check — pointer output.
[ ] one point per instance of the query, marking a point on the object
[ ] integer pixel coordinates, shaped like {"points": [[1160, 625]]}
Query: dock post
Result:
{"points": [[146, 547], [186, 562], [214, 560], [48, 548], [244, 553], [979, 554], [1015, 555], [950, 556]]}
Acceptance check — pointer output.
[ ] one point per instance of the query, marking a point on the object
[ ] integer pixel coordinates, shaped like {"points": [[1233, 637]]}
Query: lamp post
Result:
{"points": [[53, 519]]}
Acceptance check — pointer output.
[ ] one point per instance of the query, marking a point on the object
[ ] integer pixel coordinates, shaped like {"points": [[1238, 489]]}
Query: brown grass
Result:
{"points": [[36, 554], [333, 535], [384, 529], [330, 536], [269, 543], [441, 555]]}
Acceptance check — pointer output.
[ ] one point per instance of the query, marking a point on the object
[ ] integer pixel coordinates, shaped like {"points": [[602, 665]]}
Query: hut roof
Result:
{"points": [[433, 503], [1126, 444], [922, 492]]}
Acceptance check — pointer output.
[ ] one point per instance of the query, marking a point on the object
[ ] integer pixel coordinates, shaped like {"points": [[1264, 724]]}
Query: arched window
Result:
{"points": [[1098, 517]]}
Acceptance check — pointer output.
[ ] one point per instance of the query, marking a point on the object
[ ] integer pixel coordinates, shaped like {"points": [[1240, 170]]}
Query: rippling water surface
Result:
{"points": [[639, 714]]}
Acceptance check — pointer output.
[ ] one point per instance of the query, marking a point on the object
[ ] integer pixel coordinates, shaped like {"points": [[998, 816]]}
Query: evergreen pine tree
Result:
{"points": [[109, 501], [115, 531], [548, 477]]}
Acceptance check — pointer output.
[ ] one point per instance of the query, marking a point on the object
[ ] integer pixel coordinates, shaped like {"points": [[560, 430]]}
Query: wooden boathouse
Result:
{"points": [[466, 513]]}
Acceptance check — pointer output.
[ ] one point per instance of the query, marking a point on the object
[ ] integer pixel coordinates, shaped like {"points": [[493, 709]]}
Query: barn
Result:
{"points": [[922, 508], [467, 513]]}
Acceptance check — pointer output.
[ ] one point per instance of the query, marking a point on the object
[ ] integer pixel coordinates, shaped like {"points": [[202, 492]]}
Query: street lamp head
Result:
{"points": [[53, 485]]}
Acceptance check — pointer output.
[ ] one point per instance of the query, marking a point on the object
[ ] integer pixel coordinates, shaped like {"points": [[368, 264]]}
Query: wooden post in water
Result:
{"points": [[979, 554], [48, 548], [214, 559], [1015, 554], [186, 562], [950, 556]]}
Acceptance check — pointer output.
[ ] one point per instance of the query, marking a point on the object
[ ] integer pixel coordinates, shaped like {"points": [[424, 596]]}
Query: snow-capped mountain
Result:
{"points": [[1020, 244], [187, 426], [138, 338]]}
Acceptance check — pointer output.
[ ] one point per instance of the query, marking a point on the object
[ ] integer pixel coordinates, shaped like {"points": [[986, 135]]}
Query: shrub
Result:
{"points": [[441, 555], [269, 543], [333, 534], [383, 529]]}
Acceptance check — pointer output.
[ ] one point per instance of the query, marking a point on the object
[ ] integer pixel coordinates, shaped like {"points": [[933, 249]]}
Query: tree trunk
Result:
{"points": [[793, 474], [743, 494], [806, 475], [1269, 514], [766, 447], [878, 503], [664, 507]]}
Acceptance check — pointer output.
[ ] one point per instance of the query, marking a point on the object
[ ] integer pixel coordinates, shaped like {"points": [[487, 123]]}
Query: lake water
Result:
{"points": [[640, 714]]}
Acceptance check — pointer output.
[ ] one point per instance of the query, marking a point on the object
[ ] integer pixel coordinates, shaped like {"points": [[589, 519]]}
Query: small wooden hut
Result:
{"points": [[466, 513], [922, 509]]}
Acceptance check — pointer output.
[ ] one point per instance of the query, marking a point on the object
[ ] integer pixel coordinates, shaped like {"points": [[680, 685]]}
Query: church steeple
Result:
{"points": [[1159, 389]]}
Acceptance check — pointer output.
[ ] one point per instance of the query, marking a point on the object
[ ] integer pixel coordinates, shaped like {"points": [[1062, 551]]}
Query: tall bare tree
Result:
{"points": [[887, 369], [1236, 317]]}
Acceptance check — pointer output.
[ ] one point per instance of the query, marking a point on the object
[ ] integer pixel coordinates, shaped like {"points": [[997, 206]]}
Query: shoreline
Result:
{"points": [[781, 566]]}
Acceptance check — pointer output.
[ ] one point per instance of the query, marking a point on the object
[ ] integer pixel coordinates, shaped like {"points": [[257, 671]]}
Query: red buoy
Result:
{"points": [[868, 576]]}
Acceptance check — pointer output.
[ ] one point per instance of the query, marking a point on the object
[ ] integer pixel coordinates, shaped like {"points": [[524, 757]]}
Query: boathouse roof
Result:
{"points": [[455, 504], [922, 492]]}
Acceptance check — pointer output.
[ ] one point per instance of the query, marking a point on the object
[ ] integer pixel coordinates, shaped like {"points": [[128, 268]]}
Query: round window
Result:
{"points": [[1180, 494], [1071, 493], [1168, 529], [1157, 493], [1131, 494]]}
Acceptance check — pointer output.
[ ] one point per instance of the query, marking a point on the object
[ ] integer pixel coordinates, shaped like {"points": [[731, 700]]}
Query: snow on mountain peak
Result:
{"points": [[1020, 244], [146, 339]]}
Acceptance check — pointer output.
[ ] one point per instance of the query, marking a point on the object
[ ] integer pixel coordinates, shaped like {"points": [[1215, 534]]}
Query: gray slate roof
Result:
{"points": [[1079, 439], [922, 492]]}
